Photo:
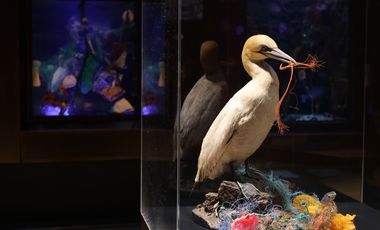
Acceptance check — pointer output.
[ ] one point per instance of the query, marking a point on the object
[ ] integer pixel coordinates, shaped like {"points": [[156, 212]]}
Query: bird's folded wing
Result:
{"points": [[217, 139]]}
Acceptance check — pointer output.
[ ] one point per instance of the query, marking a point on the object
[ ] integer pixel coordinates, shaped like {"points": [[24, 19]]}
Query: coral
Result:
{"points": [[308, 204], [324, 218], [245, 222], [228, 209], [341, 222]]}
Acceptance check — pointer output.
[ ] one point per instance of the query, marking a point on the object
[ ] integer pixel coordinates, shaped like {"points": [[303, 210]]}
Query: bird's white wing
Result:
{"points": [[216, 140], [221, 132]]}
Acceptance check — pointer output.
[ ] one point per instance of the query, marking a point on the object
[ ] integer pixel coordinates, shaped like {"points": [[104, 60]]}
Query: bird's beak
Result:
{"points": [[278, 54]]}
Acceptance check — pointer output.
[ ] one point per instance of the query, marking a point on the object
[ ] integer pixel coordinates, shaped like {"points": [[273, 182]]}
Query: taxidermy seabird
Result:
{"points": [[245, 121]]}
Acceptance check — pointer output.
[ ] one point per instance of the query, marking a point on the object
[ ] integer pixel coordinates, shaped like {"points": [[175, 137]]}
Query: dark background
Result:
{"points": [[95, 180], [371, 176], [59, 177]]}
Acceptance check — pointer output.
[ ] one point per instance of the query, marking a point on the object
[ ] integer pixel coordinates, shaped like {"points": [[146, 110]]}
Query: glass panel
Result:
{"points": [[371, 186], [314, 28], [233, 163], [154, 74], [159, 107], [322, 150], [85, 60]]}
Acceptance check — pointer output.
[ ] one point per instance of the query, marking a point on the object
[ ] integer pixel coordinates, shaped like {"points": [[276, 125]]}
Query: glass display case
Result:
{"points": [[267, 116]]}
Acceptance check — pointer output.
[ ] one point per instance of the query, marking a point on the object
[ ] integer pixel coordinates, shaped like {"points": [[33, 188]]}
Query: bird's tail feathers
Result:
{"points": [[195, 187], [197, 182], [198, 176]]}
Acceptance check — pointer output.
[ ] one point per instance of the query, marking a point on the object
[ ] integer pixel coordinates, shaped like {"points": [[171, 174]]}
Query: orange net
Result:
{"points": [[310, 63]]}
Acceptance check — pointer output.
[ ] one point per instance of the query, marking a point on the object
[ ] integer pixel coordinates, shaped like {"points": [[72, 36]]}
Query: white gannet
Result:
{"points": [[246, 119]]}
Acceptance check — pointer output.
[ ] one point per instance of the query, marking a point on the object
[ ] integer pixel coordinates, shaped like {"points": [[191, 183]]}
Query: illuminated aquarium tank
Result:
{"points": [[85, 58]]}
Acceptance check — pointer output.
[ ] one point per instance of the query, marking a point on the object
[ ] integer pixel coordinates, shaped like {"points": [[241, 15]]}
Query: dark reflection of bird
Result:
{"points": [[200, 107], [246, 119]]}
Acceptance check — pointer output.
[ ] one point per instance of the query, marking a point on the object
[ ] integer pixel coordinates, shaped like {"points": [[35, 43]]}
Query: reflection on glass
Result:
{"points": [[159, 76], [304, 27], [311, 169], [154, 74], [200, 107]]}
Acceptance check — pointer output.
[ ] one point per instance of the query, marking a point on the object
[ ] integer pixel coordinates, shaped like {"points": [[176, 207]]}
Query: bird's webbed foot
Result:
{"points": [[246, 183], [244, 174], [238, 173]]}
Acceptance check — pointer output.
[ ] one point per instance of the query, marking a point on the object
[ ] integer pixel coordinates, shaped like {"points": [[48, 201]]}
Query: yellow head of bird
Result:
{"points": [[260, 47]]}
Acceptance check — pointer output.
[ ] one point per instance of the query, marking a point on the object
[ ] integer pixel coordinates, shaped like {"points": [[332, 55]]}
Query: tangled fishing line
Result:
{"points": [[310, 63]]}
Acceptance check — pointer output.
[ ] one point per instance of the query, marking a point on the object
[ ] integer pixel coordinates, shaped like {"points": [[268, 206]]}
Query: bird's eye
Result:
{"points": [[265, 48]]}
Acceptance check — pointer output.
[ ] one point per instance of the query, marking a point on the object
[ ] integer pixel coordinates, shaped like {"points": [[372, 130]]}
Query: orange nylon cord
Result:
{"points": [[310, 63]]}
